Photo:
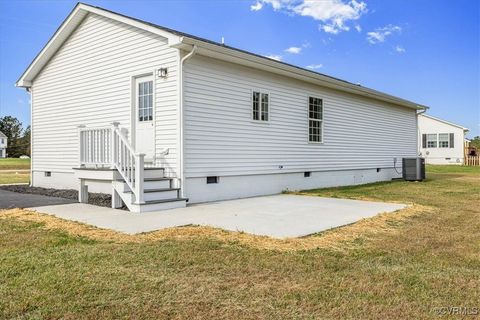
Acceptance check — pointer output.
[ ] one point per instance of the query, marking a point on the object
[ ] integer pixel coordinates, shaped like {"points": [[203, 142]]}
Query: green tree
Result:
{"points": [[12, 128], [475, 142], [24, 144]]}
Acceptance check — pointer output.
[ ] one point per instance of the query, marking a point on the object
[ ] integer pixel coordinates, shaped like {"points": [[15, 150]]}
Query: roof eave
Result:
{"points": [[446, 122], [249, 59]]}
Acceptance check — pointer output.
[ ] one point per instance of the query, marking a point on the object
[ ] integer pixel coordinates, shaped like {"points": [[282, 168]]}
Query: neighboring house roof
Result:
{"points": [[205, 47], [2, 135], [444, 121]]}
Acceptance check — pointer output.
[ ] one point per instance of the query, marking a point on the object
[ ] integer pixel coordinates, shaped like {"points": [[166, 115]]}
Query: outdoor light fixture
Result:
{"points": [[162, 72]]}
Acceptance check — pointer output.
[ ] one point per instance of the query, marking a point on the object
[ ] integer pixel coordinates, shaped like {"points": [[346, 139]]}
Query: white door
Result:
{"points": [[144, 128]]}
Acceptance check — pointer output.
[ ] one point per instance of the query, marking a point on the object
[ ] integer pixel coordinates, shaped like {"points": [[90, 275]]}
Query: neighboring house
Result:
{"points": [[470, 150], [197, 119], [3, 145], [441, 142]]}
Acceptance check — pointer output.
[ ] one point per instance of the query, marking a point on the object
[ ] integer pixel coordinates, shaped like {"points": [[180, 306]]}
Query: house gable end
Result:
{"points": [[68, 27]]}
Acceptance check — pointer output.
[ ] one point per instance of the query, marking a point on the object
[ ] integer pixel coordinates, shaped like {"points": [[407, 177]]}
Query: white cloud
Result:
{"points": [[257, 6], [334, 14], [380, 34], [400, 49], [315, 66], [274, 57], [294, 50], [358, 28]]}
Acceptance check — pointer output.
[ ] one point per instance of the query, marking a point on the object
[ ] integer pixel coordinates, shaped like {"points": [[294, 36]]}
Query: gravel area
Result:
{"points": [[98, 199]]}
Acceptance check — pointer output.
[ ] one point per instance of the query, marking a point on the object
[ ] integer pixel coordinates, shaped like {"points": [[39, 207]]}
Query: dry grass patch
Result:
{"points": [[340, 238]]}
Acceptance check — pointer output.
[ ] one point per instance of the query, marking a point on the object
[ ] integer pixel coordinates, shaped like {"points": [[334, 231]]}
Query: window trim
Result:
{"points": [[322, 141], [261, 91]]}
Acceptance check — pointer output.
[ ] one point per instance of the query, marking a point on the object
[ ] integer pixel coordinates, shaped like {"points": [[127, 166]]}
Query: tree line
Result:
{"points": [[18, 138]]}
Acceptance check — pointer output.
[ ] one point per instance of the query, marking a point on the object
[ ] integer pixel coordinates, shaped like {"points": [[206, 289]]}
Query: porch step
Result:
{"points": [[154, 172], [157, 205], [157, 194], [149, 183]]}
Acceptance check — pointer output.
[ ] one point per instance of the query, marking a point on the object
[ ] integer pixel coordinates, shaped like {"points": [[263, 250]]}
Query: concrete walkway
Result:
{"points": [[10, 199], [277, 216]]}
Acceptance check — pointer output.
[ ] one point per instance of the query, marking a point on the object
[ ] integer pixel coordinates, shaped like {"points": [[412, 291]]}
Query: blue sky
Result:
{"points": [[424, 51]]}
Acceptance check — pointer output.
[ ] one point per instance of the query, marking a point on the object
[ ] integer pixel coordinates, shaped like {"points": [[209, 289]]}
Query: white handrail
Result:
{"points": [[129, 164]]}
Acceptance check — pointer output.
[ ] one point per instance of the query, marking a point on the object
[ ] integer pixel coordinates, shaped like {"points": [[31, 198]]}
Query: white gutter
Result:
{"points": [[181, 121]]}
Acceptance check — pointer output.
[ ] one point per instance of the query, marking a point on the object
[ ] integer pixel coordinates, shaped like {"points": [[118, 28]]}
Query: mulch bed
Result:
{"points": [[98, 199]]}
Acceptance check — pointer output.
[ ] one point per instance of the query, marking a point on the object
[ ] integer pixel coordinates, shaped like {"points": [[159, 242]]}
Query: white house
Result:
{"points": [[159, 117], [441, 142], [3, 145]]}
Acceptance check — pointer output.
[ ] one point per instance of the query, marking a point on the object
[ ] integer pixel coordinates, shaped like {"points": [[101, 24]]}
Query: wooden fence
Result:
{"points": [[472, 160]]}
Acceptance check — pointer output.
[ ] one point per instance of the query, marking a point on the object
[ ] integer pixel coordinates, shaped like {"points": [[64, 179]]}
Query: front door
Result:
{"points": [[144, 128]]}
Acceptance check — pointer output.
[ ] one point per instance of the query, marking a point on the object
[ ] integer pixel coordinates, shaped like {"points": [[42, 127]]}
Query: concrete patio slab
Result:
{"points": [[10, 199], [277, 216]]}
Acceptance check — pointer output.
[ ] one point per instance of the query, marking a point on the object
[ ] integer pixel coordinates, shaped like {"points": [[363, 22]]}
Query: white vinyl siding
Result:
{"points": [[89, 82], [222, 140]]}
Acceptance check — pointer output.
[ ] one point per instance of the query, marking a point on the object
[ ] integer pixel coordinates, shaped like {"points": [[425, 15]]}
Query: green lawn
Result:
{"points": [[14, 163], [426, 261], [452, 169], [14, 177], [14, 170]]}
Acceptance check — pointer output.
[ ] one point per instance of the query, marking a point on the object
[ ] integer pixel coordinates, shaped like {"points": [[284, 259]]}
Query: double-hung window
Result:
{"points": [[432, 140], [443, 140], [260, 106], [315, 119]]}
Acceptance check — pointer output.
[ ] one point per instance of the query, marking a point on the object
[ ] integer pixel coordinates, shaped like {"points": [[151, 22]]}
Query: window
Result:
{"points": [[212, 179], [432, 140], [260, 106], [315, 119], [443, 139], [145, 101]]}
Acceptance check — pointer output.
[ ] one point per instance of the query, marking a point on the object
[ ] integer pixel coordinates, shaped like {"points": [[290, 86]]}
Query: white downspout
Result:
{"points": [[30, 90], [419, 136], [181, 138]]}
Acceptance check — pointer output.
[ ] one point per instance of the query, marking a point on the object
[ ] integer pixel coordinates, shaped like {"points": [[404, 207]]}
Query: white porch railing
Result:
{"points": [[95, 147], [110, 147]]}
